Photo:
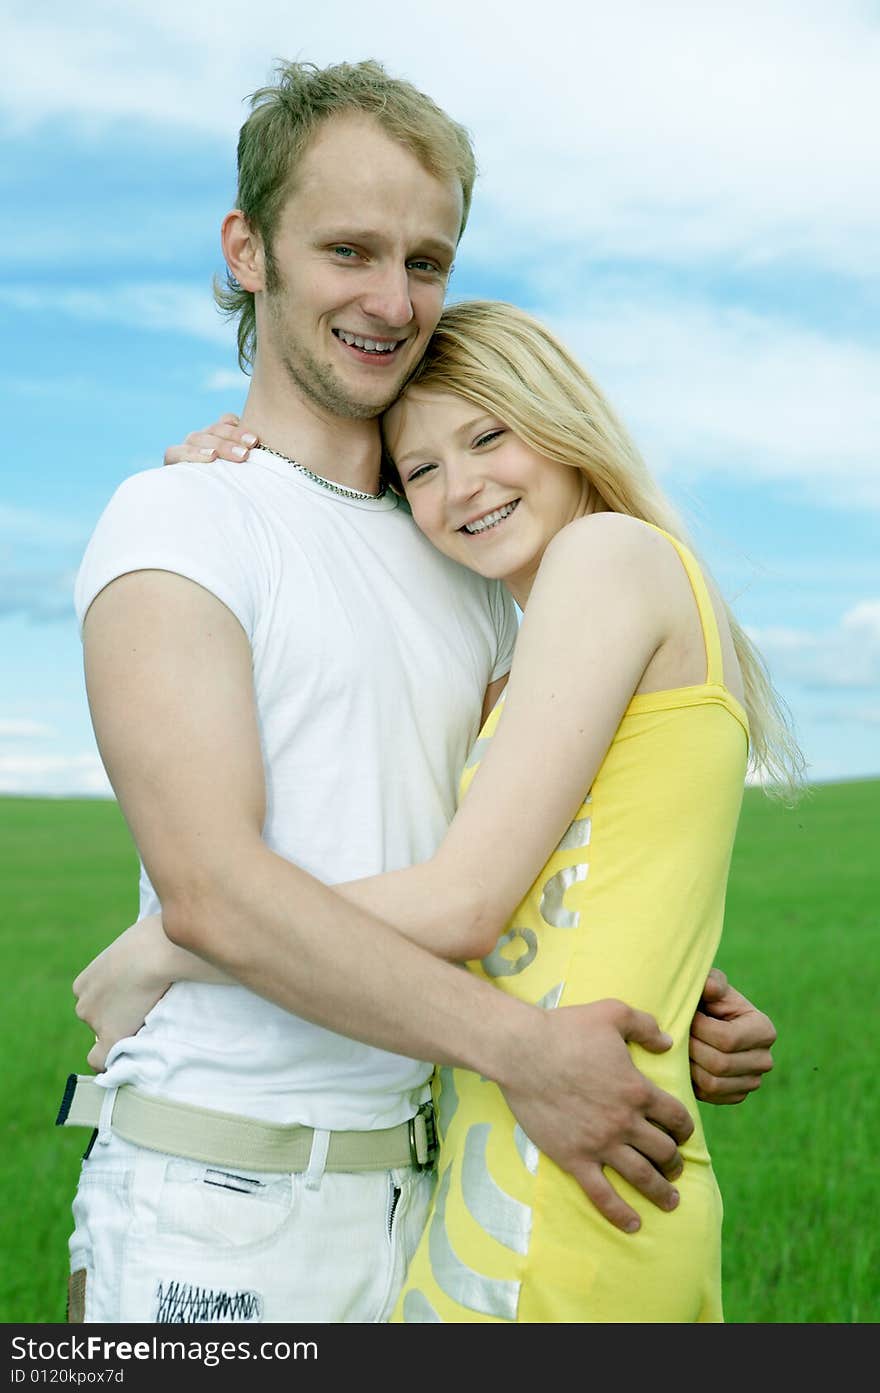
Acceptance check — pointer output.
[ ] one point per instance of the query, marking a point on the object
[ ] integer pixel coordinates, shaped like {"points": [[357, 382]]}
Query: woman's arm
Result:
{"points": [[606, 596]]}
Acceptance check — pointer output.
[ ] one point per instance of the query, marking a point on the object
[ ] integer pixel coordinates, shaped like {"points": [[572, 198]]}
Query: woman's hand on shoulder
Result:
{"points": [[225, 439]]}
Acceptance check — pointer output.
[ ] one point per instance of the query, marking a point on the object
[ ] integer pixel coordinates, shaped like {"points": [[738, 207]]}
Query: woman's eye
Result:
{"points": [[488, 437], [419, 473]]}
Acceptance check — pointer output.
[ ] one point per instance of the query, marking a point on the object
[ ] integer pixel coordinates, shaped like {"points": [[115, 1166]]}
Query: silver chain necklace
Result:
{"points": [[325, 483]]}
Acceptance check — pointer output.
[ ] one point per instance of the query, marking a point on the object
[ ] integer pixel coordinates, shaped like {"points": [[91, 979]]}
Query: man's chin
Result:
{"points": [[367, 410], [347, 399]]}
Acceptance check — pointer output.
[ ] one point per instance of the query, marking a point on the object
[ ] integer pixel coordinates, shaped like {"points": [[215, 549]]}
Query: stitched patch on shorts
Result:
{"points": [[179, 1303], [76, 1297]]}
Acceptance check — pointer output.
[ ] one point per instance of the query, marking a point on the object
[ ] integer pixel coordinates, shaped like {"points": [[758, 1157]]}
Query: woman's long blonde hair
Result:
{"points": [[503, 360]]}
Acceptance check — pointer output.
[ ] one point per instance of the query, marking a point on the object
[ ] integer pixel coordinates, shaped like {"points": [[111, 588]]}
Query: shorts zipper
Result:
{"points": [[392, 1206]]}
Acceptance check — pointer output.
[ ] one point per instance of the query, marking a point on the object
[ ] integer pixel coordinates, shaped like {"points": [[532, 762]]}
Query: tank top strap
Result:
{"points": [[711, 636]]}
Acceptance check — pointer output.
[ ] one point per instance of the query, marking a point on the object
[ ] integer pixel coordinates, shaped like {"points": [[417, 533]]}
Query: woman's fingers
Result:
{"points": [[225, 439]]}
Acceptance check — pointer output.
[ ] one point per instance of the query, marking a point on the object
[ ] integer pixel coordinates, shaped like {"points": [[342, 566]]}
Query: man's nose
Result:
{"points": [[387, 297]]}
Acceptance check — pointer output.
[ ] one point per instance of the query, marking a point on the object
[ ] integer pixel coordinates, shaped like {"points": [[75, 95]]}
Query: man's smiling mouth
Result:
{"points": [[489, 520], [381, 347]]}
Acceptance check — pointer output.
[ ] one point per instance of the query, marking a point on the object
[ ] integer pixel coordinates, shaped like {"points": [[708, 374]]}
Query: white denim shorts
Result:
{"points": [[162, 1240]]}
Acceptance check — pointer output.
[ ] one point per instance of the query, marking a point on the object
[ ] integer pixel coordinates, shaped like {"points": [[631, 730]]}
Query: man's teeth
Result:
{"points": [[491, 519], [368, 345]]}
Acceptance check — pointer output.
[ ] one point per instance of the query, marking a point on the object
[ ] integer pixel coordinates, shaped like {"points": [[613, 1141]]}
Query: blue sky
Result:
{"points": [[688, 193]]}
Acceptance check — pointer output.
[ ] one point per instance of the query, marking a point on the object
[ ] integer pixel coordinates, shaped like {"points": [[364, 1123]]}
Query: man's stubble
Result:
{"points": [[314, 380]]}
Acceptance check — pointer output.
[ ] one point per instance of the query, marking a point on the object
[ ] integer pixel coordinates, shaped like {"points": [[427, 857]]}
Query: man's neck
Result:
{"points": [[344, 449]]}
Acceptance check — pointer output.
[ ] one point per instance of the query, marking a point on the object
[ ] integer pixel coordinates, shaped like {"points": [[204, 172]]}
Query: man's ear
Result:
{"points": [[243, 251]]}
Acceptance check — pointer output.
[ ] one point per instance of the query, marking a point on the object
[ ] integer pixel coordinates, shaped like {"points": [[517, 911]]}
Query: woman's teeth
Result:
{"points": [[491, 519]]}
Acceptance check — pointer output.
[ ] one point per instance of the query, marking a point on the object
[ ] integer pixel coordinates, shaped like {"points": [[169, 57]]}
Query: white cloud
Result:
{"points": [[162, 306], [53, 775], [226, 380], [678, 131], [44, 596], [856, 715], [33, 528], [14, 729], [707, 388], [847, 656]]}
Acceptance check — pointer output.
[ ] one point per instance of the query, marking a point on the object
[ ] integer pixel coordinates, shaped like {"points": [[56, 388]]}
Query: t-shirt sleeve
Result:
{"points": [[506, 618], [178, 519]]}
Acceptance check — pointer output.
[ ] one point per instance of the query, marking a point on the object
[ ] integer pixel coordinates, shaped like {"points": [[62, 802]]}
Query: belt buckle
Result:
{"points": [[423, 1144]]}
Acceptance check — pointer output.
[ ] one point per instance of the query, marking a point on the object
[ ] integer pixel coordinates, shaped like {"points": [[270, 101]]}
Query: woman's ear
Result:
{"points": [[388, 470]]}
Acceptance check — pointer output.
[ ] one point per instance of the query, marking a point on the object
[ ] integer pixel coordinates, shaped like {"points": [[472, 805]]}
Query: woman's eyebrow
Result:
{"points": [[460, 431]]}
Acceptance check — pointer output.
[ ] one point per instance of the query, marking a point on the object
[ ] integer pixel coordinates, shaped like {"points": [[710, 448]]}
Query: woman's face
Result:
{"points": [[476, 490]]}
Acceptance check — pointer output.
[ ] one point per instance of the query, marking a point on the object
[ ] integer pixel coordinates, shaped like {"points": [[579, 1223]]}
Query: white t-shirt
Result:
{"points": [[371, 656]]}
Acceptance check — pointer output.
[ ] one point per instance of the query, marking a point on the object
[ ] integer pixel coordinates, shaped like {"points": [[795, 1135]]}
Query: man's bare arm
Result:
{"points": [[169, 678]]}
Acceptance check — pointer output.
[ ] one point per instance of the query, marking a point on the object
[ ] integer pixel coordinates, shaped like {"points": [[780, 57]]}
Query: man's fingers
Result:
{"points": [[669, 1114], [659, 1148], [716, 985], [642, 1029], [708, 1088], [637, 1170], [726, 1065], [598, 1188], [750, 1031]]}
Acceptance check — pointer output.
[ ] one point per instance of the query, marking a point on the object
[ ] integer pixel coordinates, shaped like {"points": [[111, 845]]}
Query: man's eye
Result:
{"points": [[347, 253], [430, 267]]}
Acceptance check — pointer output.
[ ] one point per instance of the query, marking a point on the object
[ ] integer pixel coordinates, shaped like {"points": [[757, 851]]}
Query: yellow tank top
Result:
{"points": [[629, 905]]}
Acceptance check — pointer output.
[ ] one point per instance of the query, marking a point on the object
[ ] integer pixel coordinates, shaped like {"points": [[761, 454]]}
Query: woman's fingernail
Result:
{"points": [[239, 451], [249, 439], [209, 454]]}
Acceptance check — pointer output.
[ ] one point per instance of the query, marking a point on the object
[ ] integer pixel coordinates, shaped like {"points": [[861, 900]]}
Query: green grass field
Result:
{"points": [[797, 1163]]}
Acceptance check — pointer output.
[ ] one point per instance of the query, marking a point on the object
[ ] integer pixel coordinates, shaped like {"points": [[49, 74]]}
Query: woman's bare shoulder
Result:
{"points": [[604, 541]]}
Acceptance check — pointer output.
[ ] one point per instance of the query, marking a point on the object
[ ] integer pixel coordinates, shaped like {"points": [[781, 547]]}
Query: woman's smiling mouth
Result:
{"points": [[489, 520]]}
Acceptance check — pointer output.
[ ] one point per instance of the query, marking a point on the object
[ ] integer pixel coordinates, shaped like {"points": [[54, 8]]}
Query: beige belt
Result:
{"points": [[225, 1139]]}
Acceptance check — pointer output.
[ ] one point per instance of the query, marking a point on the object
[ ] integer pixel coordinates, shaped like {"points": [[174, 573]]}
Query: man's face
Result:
{"points": [[358, 268]]}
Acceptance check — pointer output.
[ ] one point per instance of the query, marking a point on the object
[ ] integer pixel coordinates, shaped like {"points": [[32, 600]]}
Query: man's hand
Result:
{"points": [[586, 1106], [730, 1043]]}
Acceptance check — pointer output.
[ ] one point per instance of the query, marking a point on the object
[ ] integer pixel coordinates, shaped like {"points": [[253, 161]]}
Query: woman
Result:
{"points": [[597, 815]]}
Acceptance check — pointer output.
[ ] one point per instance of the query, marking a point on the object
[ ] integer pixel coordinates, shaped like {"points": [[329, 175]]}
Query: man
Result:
{"points": [[285, 680]]}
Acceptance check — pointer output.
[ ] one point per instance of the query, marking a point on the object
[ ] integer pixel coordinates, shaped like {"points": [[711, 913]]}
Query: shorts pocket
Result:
{"points": [[222, 1208]]}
